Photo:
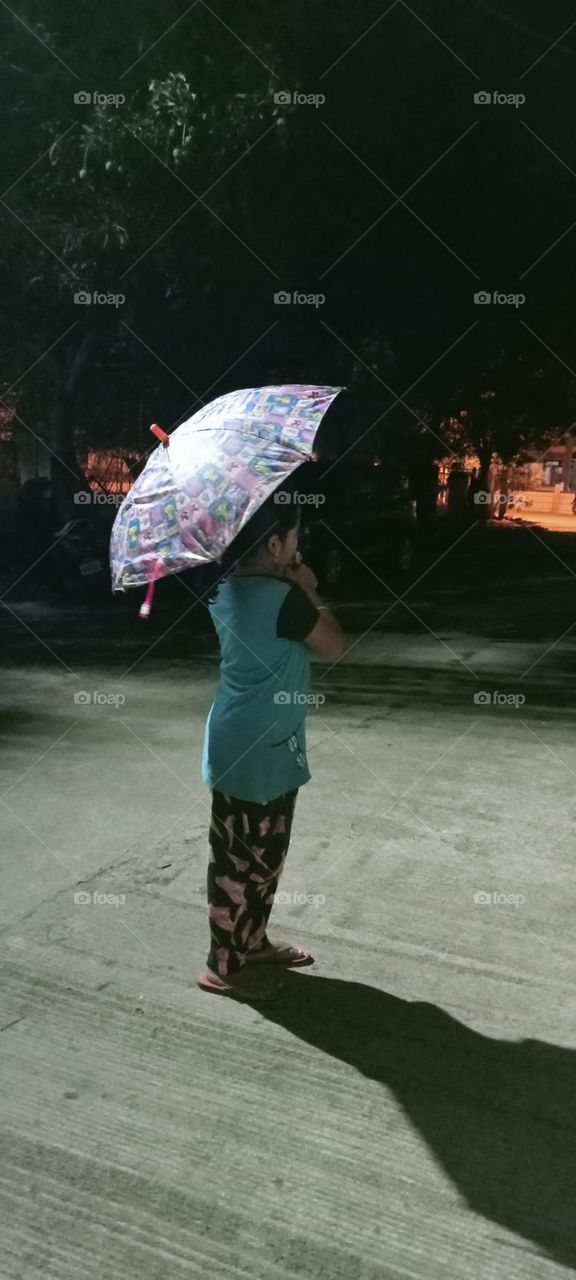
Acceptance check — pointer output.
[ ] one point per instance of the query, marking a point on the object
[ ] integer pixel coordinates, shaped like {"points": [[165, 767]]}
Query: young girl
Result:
{"points": [[267, 616]]}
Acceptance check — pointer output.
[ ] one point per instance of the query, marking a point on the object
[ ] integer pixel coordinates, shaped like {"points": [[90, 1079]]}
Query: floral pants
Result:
{"points": [[248, 847]]}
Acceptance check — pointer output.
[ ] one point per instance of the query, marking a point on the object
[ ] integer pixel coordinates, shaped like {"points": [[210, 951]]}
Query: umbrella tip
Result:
{"points": [[161, 435]]}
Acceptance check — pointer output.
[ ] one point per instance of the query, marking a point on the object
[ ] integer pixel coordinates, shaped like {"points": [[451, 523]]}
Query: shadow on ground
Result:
{"points": [[499, 1116]]}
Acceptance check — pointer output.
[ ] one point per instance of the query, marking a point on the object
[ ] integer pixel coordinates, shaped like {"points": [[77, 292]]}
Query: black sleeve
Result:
{"points": [[297, 615]]}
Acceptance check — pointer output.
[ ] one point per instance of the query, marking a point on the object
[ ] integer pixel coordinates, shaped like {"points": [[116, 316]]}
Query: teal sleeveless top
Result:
{"points": [[255, 737]]}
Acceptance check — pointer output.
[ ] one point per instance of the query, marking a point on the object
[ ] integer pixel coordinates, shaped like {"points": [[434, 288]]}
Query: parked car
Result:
{"points": [[355, 516]]}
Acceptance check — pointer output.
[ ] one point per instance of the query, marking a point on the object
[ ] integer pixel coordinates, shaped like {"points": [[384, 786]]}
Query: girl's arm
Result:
{"points": [[326, 637]]}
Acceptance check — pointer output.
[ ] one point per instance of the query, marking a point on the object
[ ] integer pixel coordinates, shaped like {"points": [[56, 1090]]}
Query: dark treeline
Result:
{"points": [[202, 194]]}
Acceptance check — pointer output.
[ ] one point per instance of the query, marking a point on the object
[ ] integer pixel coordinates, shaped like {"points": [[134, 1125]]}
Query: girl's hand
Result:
{"points": [[303, 575]]}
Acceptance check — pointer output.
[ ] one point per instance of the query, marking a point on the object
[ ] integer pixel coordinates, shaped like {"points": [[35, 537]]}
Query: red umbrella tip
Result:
{"points": [[160, 434]]}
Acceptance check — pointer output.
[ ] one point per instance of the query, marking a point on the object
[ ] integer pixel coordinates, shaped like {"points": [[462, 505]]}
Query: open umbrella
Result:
{"points": [[206, 480]]}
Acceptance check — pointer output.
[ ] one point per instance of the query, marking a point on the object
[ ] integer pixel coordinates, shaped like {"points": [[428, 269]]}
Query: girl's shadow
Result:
{"points": [[499, 1116]]}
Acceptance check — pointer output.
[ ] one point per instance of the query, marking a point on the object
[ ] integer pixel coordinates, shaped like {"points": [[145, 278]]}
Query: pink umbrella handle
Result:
{"points": [[146, 606]]}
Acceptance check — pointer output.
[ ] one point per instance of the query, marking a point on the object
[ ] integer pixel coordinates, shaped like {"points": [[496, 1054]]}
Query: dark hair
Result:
{"points": [[272, 517]]}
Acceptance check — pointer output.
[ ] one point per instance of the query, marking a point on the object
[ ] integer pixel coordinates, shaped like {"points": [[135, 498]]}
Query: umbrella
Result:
{"points": [[205, 481]]}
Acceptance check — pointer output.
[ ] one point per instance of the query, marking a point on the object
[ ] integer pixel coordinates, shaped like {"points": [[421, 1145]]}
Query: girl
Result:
{"points": [[267, 616]]}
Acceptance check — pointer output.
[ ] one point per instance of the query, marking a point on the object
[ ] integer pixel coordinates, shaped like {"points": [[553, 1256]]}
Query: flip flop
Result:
{"points": [[209, 982], [282, 954]]}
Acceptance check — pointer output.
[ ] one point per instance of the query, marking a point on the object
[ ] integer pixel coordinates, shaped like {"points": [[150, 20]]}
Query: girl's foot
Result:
{"points": [[242, 985], [283, 953]]}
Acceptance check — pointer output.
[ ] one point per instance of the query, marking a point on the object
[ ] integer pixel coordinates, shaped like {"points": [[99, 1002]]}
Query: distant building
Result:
{"points": [[554, 468]]}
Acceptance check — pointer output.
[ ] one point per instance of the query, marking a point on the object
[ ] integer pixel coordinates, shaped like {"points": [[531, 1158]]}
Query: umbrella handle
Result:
{"points": [[146, 606]]}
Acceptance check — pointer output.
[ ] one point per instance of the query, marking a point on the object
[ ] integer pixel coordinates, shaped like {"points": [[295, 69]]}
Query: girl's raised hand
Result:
{"points": [[303, 575]]}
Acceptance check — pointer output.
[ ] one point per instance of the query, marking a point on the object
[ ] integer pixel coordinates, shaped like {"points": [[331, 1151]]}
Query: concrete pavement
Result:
{"points": [[406, 1109]]}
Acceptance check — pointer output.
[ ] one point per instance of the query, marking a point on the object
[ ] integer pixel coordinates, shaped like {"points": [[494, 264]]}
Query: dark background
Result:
{"points": [[299, 197]]}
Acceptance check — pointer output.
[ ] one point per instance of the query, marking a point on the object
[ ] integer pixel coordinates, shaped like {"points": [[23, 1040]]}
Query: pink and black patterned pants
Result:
{"points": [[248, 847]]}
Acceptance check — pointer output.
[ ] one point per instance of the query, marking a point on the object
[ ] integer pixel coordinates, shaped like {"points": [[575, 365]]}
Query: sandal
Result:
{"points": [[242, 985], [283, 953]]}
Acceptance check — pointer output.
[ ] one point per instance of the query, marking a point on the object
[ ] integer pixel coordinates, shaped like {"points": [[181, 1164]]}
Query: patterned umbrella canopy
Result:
{"points": [[196, 492]]}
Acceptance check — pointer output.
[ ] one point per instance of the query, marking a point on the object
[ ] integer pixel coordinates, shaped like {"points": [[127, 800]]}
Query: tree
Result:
{"points": [[106, 215], [501, 400]]}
